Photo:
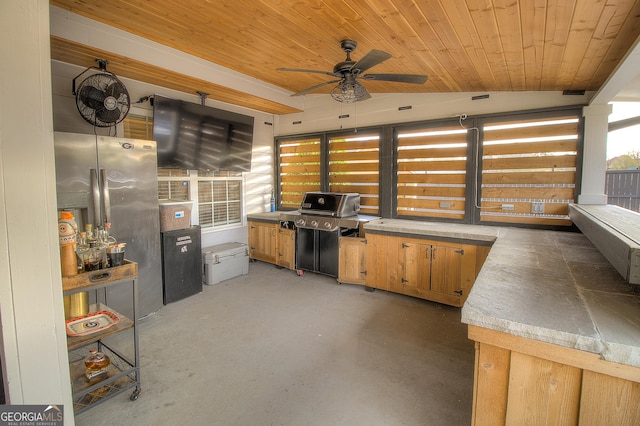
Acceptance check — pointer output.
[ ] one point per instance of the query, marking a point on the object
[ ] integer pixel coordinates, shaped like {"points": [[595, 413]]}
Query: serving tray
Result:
{"points": [[91, 323]]}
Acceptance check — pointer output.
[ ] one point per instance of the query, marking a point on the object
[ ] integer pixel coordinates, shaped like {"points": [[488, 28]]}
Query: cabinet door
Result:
{"points": [[446, 272], [351, 263], [286, 248], [263, 241], [416, 269]]}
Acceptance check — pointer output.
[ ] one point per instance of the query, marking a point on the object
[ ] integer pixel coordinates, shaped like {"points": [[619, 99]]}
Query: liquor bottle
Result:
{"points": [[67, 228], [96, 363]]}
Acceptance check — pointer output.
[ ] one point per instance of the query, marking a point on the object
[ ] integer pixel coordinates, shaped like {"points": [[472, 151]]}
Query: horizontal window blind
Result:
{"points": [[354, 167], [138, 127], [219, 202], [432, 164], [173, 184], [299, 168], [529, 170]]}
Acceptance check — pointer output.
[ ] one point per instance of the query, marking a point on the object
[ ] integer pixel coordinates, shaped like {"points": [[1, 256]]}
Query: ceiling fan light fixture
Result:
{"points": [[349, 92]]}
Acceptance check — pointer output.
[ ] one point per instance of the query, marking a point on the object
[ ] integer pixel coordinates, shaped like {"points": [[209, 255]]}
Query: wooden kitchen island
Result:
{"points": [[557, 334]]}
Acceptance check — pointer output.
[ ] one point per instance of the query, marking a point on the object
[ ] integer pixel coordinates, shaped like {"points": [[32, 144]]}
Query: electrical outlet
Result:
{"points": [[537, 208], [445, 204], [507, 207]]}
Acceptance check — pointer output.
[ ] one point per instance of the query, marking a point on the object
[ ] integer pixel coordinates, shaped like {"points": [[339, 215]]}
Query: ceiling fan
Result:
{"points": [[349, 89]]}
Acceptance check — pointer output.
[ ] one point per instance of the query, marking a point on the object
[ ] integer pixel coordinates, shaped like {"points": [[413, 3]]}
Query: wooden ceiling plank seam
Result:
{"points": [[372, 16], [437, 22], [244, 43], [629, 30], [597, 47], [485, 22], [580, 33], [611, 34], [509, 17], [458, 12], [410, 26], [75, 53], [533, 24], [310, 34], [558, 19]]}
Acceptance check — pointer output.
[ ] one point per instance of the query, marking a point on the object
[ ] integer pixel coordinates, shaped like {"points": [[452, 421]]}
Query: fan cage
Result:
{"points": [[110, 102], [349, 92]]}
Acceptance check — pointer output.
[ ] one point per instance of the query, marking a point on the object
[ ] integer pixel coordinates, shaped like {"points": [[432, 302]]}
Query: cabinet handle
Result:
{"points": [[458, 292], [461, 251]]}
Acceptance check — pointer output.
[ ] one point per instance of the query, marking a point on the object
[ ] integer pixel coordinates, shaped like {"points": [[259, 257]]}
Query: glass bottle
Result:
{"points": [[96, 363], [81, 249]]}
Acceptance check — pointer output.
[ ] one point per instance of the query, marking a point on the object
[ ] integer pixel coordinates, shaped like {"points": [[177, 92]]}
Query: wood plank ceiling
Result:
{"points": [[463, 45]]}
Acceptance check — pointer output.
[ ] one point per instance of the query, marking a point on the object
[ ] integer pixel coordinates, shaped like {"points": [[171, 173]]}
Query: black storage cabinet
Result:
{"points": [[181, 263]]}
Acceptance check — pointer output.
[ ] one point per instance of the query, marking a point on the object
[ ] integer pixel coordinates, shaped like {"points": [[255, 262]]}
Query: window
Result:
{"points": [[219, 201], [299, 169], [217, 196], [432, 164], [529, 170], [353, 167]]}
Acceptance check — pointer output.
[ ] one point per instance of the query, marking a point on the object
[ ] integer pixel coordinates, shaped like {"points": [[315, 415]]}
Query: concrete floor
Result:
{"points": [[272, 348]]}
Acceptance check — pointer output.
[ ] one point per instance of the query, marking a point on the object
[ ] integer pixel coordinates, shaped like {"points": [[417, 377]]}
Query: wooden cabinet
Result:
{"points": [[434, 270], [351, 260], [287, 248], [523, 381], [263, 241]]}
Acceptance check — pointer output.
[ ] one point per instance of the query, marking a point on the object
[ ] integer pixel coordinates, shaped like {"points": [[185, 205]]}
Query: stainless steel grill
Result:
{"points": [[323, 217]]}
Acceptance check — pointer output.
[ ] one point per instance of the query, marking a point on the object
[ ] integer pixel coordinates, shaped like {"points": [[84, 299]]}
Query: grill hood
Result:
{"points": [[330, 204]]}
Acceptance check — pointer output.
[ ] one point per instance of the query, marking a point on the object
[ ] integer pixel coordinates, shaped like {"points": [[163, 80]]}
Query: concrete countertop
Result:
{"points": [[554, 287], [272, 217], [434, 229]]}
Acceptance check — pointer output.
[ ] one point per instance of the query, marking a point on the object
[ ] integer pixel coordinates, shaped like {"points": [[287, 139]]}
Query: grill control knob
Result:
{"points": [[314, 223], [300, 222], [328, 225]]}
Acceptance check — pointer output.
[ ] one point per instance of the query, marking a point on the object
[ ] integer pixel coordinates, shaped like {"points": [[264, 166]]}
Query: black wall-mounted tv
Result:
{"points": [[198, 137]]}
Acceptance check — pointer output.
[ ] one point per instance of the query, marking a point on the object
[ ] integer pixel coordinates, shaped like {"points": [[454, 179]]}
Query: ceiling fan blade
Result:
{"points": [[317, 86], [303, 70], [371, 59], [398, 78]]}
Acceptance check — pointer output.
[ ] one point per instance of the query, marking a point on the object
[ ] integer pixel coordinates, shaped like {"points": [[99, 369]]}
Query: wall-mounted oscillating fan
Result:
{"points": [[102, 99]]}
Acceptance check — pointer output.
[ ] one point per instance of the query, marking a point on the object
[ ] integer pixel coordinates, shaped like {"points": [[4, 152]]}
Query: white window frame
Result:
{"points": [[193, 178]]}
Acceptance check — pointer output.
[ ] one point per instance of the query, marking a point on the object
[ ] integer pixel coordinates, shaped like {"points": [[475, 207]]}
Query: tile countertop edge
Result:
{"points": [[529, 331]]}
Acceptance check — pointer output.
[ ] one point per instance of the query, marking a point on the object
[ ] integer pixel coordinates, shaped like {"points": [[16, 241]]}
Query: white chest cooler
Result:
{"points": [[224, 261]]}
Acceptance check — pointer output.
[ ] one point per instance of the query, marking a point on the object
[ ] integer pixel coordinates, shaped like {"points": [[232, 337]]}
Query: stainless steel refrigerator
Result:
{"points": [[105, 179]]}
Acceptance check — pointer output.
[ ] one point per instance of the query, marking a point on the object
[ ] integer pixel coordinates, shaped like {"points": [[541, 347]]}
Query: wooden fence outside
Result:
{"points": [[623, 188]]}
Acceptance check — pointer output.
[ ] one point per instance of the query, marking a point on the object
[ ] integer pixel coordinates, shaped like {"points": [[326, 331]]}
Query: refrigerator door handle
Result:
{"points": [[95, 196], [106, 202]]}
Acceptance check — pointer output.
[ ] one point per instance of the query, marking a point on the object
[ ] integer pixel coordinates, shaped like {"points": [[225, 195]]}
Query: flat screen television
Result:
{"points": [[197, 137]]}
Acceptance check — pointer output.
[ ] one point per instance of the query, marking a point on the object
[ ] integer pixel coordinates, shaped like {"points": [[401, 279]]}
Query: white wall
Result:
{"points": [[34, 345], [322, 113]]}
